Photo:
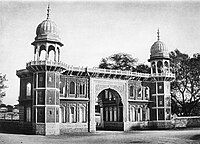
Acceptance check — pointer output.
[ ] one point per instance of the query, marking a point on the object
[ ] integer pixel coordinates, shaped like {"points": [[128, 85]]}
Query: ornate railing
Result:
{"points": [[98, 70]]}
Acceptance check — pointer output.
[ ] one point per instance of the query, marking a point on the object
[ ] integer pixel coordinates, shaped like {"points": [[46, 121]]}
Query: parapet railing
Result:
{"points": [[98, 70]]}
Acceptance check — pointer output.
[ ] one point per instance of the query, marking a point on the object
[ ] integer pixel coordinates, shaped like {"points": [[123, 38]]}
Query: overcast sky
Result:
{"points": [[91, 31]]}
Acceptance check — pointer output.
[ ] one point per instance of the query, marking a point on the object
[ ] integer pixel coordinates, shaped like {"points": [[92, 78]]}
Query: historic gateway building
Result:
{"points": [[57, 98]]}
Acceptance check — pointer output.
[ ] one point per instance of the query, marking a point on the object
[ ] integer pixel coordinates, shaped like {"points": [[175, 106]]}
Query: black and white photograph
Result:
{"points": [[99, 71]]}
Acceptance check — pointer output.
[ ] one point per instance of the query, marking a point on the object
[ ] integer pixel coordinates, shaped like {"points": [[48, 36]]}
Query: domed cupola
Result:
{"points": [[159, 50], [47, 31]]}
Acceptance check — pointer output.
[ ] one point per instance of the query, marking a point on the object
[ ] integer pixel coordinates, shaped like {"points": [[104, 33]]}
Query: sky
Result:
{"points": [[92, 30]]}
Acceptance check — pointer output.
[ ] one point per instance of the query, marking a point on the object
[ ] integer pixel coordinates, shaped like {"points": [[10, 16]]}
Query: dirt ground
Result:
{"points": [[109, 137]]}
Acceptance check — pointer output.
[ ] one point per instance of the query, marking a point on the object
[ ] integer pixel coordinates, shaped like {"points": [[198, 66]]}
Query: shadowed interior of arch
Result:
{"points": [[109, 110]]}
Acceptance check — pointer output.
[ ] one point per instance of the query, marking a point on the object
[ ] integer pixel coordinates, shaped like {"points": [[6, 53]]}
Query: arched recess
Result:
{"points": [[109, 110], [28, 89], [153, 65], [42, 53], [160, 66], [51, 53], [58, 54]]}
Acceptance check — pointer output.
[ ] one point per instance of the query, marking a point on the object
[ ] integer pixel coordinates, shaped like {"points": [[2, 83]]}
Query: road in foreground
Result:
{"points": [[108, 137]]}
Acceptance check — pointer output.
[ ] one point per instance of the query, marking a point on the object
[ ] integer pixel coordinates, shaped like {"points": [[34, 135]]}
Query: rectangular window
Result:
{"points": [[161, 114], [131, 91], [168, 112], [40, 114], [28, 114], [161, 101], [41, 79], [153, 88], [154, 101], [40, 97], [51, 79], [160, 87], [153, 114], [111, 114], [72, 115], [139, 92], [82, 114]]}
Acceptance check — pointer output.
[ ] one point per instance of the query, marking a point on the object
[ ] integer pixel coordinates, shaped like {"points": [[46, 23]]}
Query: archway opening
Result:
{"points": [[109, 110], [42, 53], [51, 53]]}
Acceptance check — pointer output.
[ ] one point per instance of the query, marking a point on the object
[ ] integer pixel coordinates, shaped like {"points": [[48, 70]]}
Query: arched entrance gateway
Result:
{"points": [[109, 110]]}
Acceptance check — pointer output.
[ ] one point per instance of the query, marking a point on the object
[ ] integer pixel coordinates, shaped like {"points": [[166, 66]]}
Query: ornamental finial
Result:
{"points": [[48, 11], [158, 34]]}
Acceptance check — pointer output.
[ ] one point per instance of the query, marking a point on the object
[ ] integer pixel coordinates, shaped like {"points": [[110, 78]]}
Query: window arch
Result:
{"points": [[28, 89], [160, 66], [72, 117], [72, 88], [153, 65], [42, 53], [51, 53]]}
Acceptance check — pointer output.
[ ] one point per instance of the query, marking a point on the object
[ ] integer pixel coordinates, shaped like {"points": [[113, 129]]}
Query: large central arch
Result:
{"points": [[117, 88], [109, 110]]}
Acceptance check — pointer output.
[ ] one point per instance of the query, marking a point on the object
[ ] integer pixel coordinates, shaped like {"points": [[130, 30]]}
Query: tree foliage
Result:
{"points": [[122, 61], [118, 61], [2, 86], [186, 87]]}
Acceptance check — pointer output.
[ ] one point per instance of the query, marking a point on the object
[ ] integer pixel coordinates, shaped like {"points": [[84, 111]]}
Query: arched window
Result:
{"points": [[62, 88], [72, 88], [153, 65], [160, 67], [58, 55], [51, 56], [28, 89], [166, 64], [72, 117], [42, 53], [51, 53]]}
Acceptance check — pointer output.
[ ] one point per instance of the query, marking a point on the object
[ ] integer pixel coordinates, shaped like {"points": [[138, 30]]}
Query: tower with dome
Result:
{"points": [[57, 98]]}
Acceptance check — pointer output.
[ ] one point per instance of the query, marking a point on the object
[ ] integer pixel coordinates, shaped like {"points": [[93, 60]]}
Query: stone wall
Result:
{"points": [[16, 127], [128, 126], [182, 122], [73, 127], [114, 126], [160, 124]]}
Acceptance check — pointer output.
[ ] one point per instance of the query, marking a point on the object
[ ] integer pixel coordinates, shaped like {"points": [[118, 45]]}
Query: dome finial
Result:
{"points": [[158, 34], [48, 11]]}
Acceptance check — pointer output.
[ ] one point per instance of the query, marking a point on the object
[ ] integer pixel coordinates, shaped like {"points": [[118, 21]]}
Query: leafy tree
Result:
{"points": [[122, 61], [186, 87], [2, 86], [142, 68]]}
